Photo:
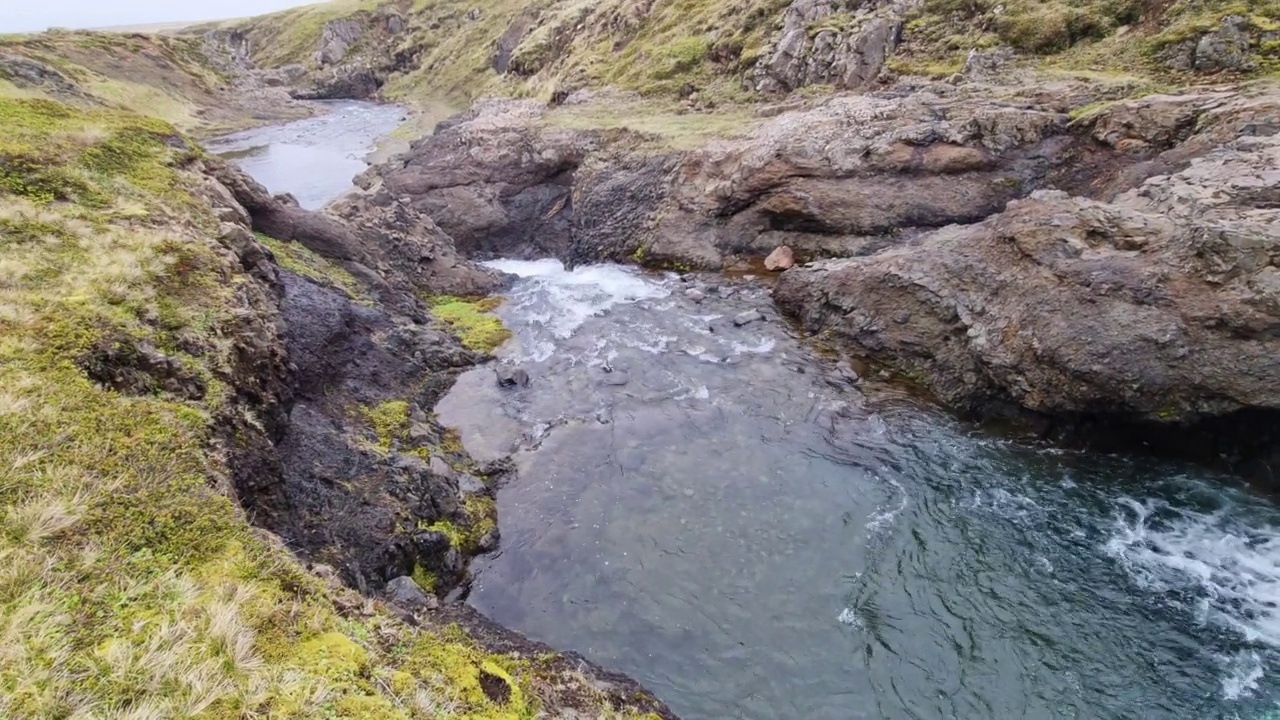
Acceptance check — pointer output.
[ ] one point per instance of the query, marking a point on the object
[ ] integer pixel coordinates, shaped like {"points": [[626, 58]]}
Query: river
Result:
{"points": [[753, 533]]}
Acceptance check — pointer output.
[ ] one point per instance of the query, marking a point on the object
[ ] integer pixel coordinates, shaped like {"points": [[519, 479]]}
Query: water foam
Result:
{"points": [[1233, 567], [560, 300]]}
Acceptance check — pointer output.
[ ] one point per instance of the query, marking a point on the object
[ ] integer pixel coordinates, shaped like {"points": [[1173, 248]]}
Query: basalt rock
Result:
{"points": [[1160, 307], [830, 42], [395, 249], [327, 443], [492, 180]]}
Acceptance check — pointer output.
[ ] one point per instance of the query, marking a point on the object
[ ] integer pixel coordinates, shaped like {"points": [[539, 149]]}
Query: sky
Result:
{"points": [[34, 15]]}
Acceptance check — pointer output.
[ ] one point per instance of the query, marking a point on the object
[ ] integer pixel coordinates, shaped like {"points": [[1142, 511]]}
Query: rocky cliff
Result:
{"points": [[1048, 250]]}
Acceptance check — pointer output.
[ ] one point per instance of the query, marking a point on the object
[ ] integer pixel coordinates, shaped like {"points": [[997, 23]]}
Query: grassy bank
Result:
{"points": [[131, 584], [164, 76]]}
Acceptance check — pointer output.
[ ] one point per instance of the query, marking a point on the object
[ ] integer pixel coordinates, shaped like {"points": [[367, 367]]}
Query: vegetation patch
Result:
{"points": [[299, 260], [130, 585], [390, 422], [471, 321], [480, 518]]}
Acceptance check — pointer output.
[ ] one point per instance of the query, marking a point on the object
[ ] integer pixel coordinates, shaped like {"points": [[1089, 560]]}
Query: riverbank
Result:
{"points": [[169, 375]]}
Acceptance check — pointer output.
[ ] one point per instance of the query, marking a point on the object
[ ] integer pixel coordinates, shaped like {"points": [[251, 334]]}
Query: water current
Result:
{"points": [[752, 533]]}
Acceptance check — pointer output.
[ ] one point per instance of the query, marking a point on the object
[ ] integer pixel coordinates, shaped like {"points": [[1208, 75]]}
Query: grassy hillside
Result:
{"points": [[131, 584], [164, 76], [454, 49]]}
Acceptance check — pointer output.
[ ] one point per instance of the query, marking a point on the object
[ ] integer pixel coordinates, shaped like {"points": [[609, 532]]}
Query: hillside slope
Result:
{"points": [[153, 377], [745, 49], [198, 84]]}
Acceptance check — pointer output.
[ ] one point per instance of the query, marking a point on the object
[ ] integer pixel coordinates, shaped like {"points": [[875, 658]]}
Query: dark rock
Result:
{"points": [[511, 376], [1158, 308], [405, 592]]}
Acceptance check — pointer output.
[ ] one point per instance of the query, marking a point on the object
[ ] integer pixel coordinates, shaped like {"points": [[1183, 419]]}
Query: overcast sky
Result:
{"points": [[32, 15]]}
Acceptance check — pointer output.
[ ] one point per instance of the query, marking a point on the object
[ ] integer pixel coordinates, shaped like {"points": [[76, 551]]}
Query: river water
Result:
{"points": [[314, 158], [752, 533]]}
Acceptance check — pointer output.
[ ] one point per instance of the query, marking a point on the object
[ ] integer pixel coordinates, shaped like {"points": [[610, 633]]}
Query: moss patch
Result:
{"points": [[471, 321], [480, 517], [390, 422], [298, 259]]}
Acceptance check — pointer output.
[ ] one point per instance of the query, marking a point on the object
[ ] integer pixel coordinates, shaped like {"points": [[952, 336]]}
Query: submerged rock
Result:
{"points": [[696, 296], [511, 376], [747, 318]]}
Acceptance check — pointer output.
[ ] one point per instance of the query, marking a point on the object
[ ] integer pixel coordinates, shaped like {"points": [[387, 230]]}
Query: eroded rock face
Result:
{"points": [[491, 179], [1229, 48], [830, 42], [1159, 306], [336, 460], [395, 249]]}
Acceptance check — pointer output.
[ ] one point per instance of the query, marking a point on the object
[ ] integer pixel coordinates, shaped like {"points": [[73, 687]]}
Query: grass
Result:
{"points": [[168, 77], [131, 585], [471, 321], [703, 44], [481, 518], [299, 260], [1127, 37], [666, 126]]}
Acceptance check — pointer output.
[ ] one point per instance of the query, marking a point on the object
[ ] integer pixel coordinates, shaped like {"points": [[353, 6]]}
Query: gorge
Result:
{"points": [[998, 445]]}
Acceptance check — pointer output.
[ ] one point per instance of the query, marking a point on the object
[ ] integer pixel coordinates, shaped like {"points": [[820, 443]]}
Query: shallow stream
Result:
{"points": [[752, 533]]}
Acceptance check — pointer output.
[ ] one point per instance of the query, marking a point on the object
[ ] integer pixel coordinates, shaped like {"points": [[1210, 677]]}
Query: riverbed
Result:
{"points": [[753, 531]]}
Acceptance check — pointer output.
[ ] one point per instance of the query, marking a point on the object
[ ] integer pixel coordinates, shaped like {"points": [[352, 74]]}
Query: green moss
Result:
{"points": [[298, 259], [1085, 113], [470, 321], [425, 579], [389, 421], [480, 517]]}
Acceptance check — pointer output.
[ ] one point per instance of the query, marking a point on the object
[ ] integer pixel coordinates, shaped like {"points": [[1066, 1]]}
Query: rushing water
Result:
{"points": [[742, 529], [728, 520], [316, 158]]}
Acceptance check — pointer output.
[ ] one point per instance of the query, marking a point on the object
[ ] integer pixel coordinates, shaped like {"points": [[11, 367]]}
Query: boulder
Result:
{"points": [[780, 259], [405, 592], [512, 376], [747, 318]]}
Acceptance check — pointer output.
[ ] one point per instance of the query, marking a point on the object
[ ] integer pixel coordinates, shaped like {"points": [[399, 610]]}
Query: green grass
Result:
{"points": [[131, 584], [471, 321], [1128, 37], [298, 259]]}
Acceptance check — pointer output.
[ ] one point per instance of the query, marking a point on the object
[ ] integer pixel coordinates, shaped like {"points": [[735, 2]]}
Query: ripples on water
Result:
{"points": [[754, 538]]}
